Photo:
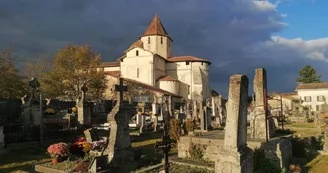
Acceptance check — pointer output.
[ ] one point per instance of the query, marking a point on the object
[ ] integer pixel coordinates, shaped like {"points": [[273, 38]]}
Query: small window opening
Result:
{"points": [[202, 63], [161, 40], [137, 72], [187, 63], [169, 43], [148, 40], [137, 53], [188, 90]]}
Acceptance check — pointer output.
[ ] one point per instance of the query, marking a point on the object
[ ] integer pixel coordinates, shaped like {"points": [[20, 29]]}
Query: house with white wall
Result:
{"points": [[313, 95], [288, 101], [150, 61]]}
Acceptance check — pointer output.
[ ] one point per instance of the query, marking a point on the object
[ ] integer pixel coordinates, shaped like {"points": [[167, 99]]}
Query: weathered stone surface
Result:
{"points": [[2, 139], [236, 157], [325, 147], [234, 161], [236, 125], [279, 150], [258, 123]]}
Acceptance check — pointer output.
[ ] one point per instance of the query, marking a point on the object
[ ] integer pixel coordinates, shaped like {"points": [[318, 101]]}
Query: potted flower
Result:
{"points": [[58, 152], [85, 145]]}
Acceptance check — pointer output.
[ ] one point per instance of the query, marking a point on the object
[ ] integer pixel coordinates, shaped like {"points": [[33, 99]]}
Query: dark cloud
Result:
{"points": [[234, 34]]}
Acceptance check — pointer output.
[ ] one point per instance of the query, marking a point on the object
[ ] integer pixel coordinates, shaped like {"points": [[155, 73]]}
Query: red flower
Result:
{"points": [[59, 149]]}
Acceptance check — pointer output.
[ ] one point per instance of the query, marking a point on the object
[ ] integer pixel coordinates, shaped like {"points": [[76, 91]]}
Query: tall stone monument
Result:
{"points": [[2, 139], [236, 157], [120, 153], [32, 113], [261, 123], [83, 108]]}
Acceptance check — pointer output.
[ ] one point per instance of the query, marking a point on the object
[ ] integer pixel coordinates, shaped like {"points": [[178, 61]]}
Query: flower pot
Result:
{"points": [[54, 161]]}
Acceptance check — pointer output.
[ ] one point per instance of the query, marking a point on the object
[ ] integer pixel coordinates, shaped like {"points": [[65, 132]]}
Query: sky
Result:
{"points": [[237, 36]]}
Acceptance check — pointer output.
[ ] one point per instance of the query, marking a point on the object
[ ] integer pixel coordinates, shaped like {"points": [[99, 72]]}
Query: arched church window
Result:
{"points": [[148, 40], [137, 72], [137, 52], [161, 40]]}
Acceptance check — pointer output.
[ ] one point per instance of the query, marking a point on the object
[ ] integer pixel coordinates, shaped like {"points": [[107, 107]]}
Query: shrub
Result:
{"points": [[310, 120], [175, 129], [298, 148], [196, 151], [262, 164], [190, 126]]}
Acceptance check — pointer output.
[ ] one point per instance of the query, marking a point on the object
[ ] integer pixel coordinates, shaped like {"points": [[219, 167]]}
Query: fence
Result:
{"points": [[53, 129]]}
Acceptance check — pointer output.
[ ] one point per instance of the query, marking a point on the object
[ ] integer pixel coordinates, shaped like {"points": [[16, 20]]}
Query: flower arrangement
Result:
{"points": [[86, 146], [58, 150], [74, 109], [96, 145], [50, 111]]}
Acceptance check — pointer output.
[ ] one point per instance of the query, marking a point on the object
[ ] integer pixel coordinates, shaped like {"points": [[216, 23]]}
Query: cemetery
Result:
{"points": [[171, 135]]}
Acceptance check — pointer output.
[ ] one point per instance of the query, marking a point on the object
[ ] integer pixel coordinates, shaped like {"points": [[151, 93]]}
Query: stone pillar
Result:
{"points": [[325, 146], [236, 157], [2, 139], [83, 108], [194, 109], [258, 126], [143, 124]]}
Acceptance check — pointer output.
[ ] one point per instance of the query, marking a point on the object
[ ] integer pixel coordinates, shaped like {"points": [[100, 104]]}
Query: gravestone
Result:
{"points": [[31, 111], [325, 147], [83, 108], [2, 139], [91, 135], [236, 157], [261, 122], [194, 109], [119, 150]]}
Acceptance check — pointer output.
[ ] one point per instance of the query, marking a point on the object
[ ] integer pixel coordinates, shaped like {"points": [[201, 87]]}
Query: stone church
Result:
{"points": [[149, 62]]}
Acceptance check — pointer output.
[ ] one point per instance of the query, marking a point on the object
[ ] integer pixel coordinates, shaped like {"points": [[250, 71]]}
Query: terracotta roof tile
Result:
{"points": [[138, 43], [113, 73], [166, 78], [110, 64], [313, 86], [187, 58], [156, 28], [147, 86]]}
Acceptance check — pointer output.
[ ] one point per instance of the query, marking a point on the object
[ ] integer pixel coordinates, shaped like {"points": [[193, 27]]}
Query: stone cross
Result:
{"points": [[236, 126], [34, 84], [120, 89]]}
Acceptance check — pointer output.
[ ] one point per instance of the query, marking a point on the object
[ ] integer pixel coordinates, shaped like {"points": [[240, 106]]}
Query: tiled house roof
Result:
{"points": [[116, 74], [138, 43], [109, 64], [187, 58], [166, 78], [312, 86]]}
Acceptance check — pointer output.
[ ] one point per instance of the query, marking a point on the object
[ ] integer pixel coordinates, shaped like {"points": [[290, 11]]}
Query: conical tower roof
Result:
{"points": [[156, 28]]}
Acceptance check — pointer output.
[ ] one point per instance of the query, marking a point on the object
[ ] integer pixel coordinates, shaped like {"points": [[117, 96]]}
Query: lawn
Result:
{"points": [[23, 160], [318, 165]]}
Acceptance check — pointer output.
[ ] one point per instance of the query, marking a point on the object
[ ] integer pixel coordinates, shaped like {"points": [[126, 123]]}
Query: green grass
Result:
{"points": [[318, 165], [22, 160], [174, 168]]}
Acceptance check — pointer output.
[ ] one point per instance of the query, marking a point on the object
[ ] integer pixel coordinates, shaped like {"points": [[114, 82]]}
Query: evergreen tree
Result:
{"points": [[308, 75]]}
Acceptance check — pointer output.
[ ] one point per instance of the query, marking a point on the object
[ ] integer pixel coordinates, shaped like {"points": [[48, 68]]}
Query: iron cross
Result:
{"points": [[166, 143], [120, 88]]}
